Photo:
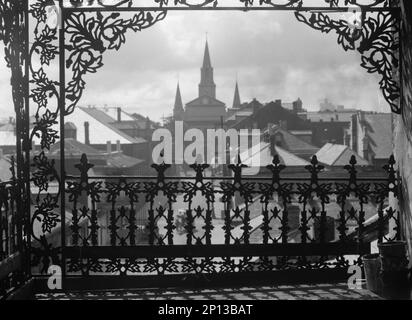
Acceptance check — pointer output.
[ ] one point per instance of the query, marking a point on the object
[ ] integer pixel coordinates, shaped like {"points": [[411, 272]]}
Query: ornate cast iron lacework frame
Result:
{"points": [[89, 29], [15, 204]]}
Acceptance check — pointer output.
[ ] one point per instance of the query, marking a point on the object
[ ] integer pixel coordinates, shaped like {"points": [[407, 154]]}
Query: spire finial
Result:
{"points": [[206, 58], [236, 99], [178, 99]]}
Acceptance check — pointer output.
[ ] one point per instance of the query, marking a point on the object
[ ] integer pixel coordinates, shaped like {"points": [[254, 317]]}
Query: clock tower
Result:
{"points": [[205, 112]]}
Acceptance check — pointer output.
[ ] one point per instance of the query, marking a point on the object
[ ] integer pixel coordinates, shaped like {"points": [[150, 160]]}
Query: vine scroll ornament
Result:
{"points": [[14, 35], [88, 36], [92, 27]]}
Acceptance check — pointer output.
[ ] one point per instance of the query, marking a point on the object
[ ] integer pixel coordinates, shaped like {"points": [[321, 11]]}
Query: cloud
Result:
{"points": [[273, 55]]}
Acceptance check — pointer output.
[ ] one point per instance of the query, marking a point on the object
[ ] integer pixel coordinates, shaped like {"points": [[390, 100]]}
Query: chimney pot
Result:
{"points": [[87, 133], [119, 114], [118, 146], [109, 147], [283, 124]]}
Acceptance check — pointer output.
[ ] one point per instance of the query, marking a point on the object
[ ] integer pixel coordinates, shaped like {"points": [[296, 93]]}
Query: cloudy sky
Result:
{"points": [[272, 55]]}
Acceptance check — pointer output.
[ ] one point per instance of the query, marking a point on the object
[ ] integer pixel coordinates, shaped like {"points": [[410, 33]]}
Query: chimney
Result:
{"points": [[118, 146], [1, 153], [283, 124], [86, 133], [70, 131], [109, 147], [366, 154], [271, 128], [272, 145], [119, 114]]}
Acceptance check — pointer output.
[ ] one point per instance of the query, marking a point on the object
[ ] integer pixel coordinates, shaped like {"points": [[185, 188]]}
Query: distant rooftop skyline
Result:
{"points": [[270, 54]]}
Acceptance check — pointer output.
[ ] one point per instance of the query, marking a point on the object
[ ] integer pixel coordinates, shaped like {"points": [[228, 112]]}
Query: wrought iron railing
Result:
{"points": [[205, 225], [12, 262]]}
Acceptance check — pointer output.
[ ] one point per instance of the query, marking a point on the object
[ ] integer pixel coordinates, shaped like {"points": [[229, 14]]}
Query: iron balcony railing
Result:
{"points": [[13, 262], [204, 226]]}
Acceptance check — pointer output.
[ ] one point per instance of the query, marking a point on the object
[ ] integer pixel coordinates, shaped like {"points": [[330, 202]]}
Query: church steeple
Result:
{"points": [[206, 57], [236, 98], [207, 86], [178, 108]]}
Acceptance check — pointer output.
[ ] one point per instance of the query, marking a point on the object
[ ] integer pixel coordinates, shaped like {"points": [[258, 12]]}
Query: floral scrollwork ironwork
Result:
{"points": [[377, 42], [216, 3], [90, 36]]}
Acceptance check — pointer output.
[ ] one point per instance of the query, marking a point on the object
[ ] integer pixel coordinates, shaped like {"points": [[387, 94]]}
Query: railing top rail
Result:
{"points": [[291, 179], [227, 8]]}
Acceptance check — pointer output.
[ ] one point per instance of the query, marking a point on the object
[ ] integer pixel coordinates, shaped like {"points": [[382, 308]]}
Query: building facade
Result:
{"points": [[205, 111]]}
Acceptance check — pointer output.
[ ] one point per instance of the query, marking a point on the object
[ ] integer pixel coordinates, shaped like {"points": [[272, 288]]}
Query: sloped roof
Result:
{"points": [[108, 121], [261, 154], [75, 148], [142, 120], [127, 125], [240, 113], [379, 131], [294, 143], [120, 160], [338, 155], [113, 112], [270, 113]]}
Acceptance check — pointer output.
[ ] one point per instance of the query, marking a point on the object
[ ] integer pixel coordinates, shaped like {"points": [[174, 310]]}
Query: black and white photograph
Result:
{"points": [[205, 157]]}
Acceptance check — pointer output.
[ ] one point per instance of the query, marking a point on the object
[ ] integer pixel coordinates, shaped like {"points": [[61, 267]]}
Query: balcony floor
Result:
{"points": [[290, 292]]}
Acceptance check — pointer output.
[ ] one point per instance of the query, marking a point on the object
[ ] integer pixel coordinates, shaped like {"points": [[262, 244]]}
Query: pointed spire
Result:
{"points": [[207, 85], [178, 99], [206, 58], [178, 108], [236, 99]]}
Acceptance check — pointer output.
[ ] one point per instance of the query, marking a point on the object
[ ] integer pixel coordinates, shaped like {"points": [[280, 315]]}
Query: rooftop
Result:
{"points": [[74, 148], [379, 131], [261, 155], [338, 155], [292, 142], [108, 121]]}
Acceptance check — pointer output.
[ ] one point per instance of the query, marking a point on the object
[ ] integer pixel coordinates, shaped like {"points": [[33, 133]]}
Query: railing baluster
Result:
{"points": [[265, 224], [238, 194], [75, 225], [170, 224], [113, 225], [152, 225], [190, 224], [284, 229], [228, 224], [132, 225], [208, 225], [246, 225]]}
